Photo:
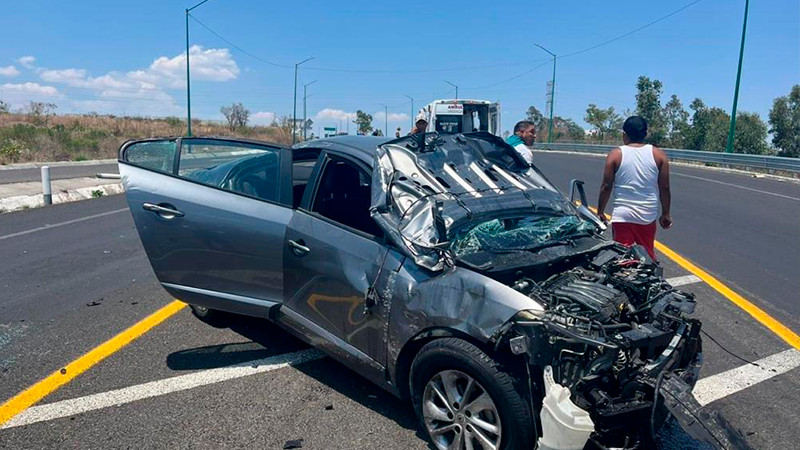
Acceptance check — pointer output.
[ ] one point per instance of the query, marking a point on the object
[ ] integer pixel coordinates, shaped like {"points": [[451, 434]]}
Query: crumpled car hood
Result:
{"points": [[426, 186]]}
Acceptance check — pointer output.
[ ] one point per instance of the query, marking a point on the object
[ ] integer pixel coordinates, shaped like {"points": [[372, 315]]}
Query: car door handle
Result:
{"points": [[298, 247], [167, 212]]}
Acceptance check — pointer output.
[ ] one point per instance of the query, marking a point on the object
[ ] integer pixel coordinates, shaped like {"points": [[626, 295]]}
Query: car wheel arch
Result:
{"points": [[412, 347]]}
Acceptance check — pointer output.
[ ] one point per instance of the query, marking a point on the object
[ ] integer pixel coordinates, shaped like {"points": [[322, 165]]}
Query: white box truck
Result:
{"points": [[462, 116]]}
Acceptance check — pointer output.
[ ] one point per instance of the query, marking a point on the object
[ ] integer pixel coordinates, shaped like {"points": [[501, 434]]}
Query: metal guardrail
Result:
{"points": [[762, 162]]}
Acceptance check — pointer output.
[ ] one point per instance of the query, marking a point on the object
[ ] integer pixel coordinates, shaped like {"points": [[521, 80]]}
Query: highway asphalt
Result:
{"points": [[68, 288]]}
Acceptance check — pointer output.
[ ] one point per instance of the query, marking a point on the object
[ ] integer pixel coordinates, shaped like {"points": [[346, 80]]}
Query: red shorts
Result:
{"points": [[633, 233]]}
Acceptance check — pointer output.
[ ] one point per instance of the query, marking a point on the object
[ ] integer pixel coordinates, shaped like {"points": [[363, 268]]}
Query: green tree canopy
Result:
{"points": [[533, 115], [677, 123], [606, 121], [364, 122], [784, 120], [648, 106]]}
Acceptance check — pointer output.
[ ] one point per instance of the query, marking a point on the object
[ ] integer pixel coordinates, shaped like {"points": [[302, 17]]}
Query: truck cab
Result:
{"points": [[462, 116]]}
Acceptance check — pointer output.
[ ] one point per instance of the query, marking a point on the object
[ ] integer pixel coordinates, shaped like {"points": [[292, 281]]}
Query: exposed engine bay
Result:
{"points": [[613, 333]]}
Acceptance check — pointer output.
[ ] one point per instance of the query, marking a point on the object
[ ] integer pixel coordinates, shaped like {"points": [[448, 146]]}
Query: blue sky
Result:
{"points": [[128, 57]]}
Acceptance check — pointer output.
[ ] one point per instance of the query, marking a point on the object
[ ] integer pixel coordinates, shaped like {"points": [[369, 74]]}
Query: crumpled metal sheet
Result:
{"points": [[455, 299], [469, 178]]}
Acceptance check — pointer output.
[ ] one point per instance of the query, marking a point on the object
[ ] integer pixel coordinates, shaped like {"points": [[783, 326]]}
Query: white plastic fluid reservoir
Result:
{"points": [[565, 426]]}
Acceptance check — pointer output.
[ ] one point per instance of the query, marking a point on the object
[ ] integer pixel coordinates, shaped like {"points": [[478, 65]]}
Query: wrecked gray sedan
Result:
{"points": [[442, 268]]}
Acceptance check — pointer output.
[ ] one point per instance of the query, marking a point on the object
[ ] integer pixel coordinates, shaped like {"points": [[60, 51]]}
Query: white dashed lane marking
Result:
{"points": [[130, 394], [731, 381], [737, 186]]}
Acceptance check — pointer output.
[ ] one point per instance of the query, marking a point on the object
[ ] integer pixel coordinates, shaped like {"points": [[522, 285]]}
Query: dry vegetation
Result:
{"points": [[26, 138]]}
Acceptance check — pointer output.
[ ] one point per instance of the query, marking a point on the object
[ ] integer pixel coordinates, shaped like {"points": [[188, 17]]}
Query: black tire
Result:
{"points": [[213, 317], [453, 354]]}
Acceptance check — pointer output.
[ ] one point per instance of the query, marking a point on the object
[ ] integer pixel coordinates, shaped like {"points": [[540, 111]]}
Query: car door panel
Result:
{"points": [[208, 246], [329, 284]]}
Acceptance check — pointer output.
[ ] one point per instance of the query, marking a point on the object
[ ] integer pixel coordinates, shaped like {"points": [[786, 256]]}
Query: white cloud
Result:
{"points": [[31, 88], [393, 117], [72, 77], [263, 118], [26, 61], [335, 114], [19, 95], [144, 90], [9, 71], [213, 64]]}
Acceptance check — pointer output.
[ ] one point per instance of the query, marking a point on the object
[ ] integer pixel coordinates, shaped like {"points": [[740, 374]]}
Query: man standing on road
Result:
{"points": [[638, 174], [522, 139]]}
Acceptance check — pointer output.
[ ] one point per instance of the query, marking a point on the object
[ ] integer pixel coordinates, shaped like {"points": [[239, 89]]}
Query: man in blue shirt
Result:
{"points": [[522, 139]]}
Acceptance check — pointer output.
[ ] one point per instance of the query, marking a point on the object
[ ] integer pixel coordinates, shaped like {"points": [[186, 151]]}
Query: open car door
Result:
{"points": [[211, 214]]}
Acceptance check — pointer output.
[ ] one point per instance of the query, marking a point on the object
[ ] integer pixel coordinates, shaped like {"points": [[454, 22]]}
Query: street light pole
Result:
{"points": [[732, 131], [455, 86], [304, 106], [552, 94], [294, 106], [412, 110], [188, 89], [385, 120]]}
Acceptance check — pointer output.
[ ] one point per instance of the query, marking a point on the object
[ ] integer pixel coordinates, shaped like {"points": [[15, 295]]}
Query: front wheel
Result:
{"points": [[466, 400]]}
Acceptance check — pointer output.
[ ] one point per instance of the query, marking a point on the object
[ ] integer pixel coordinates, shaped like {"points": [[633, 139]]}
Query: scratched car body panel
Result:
{"points": [[373, 250]]}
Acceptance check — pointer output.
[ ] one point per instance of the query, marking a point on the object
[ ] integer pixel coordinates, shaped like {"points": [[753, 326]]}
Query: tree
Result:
{"points": [[39, 112], [604, 120], [751, 134], [648, 106], [677, 122], [533, 115], [364, 122], [3, 107], [709, 131], [564, 129], [784, 120], [236, 115]]}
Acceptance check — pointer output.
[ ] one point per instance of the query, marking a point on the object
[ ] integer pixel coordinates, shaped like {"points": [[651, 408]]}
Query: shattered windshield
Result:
{"points": [[519, 233]]}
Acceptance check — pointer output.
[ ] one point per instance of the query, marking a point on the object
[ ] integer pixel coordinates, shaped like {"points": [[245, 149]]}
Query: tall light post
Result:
{"points": [[732, 131], [455, 86], [552, 94], [305, 96], [412, 110], [385, 119], [188, 90], [294, 106]]}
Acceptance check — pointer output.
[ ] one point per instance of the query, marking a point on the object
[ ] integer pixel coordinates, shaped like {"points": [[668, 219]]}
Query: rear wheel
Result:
{"points": [[466, 400], [213, 317]]}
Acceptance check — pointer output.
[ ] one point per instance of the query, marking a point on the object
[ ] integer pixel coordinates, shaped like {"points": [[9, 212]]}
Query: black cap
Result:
{"points": [[635, 127]]}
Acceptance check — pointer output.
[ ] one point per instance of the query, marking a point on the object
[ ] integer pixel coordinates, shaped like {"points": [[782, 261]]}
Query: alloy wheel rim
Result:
{"points": [[459, 414]]}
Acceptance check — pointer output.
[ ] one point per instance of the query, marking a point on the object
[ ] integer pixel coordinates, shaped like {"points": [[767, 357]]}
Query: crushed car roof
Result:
{"points": [[426, 186]]}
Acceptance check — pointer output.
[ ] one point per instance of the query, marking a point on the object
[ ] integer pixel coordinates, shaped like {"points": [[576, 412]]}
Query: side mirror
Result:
{"points": [[583, 209]]}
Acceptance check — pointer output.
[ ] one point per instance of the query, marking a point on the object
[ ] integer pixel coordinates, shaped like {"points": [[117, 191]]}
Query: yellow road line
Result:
{"points": [[40, 390], [781, 330], [759, 314]]}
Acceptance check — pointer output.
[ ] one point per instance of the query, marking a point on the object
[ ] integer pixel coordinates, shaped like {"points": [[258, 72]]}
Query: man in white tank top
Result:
{"points": [[638, 175]]}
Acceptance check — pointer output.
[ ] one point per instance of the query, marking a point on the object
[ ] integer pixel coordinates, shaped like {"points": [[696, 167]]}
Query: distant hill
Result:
{"points": [[29, 138]]}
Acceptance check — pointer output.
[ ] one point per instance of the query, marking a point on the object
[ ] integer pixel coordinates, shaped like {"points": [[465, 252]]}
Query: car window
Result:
{"points": [[303, 162], [343, 195], [153, 155], [249, 169]]}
